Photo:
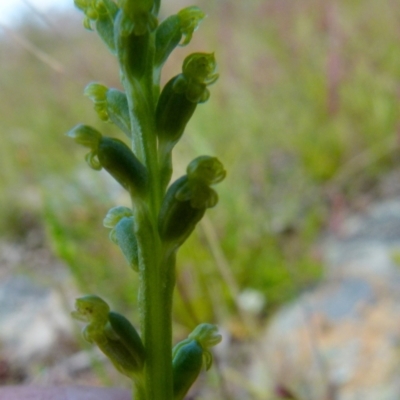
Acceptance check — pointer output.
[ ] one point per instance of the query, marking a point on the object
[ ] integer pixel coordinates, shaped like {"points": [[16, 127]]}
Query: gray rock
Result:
{"points": [[340, 341], [32, 320]]}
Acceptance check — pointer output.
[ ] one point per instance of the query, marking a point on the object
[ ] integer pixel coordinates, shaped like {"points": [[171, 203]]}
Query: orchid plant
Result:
{"points": [[162, 214]]}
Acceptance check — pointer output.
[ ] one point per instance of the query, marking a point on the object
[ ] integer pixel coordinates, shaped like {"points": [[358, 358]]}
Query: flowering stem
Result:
{"points": [[161, 219]]}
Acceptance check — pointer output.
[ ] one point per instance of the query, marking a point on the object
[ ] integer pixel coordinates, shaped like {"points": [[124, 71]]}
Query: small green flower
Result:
{"points": [[161, 218], [188, 198], [114, 156], [112, 333], [190, 355]]}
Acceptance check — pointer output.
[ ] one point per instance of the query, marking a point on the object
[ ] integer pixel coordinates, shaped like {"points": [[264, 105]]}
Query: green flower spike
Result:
{"points": [[162, 215], [188, 198], [120, 220], [112, 333], [190, 355]]}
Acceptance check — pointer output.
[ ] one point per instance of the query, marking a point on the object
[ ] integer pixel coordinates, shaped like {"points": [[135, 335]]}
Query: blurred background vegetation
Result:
{"points": [[306, 111]]}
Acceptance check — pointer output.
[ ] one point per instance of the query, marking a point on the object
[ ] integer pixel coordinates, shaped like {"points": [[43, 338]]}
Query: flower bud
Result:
{"points": [[188, 198], [177, 219], [173, 112], [200, 68], [207, 335], [190, 355], [112, 333], [114, 156], [180, 96], [186, 367], [91, 309], [206, 169]]}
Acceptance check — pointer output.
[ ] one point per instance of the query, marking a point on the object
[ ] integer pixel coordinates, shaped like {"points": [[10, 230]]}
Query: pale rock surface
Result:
{"points": [[340, 340], [33, 318]]}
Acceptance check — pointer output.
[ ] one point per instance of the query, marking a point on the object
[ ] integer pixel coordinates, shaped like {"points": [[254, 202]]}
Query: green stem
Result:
{"points": [[157, 280], [156, 273]]}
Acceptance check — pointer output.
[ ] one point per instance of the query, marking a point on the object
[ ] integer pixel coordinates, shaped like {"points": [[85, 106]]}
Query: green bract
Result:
{"points": [[120, 220], [161, 215], [110, 105]]}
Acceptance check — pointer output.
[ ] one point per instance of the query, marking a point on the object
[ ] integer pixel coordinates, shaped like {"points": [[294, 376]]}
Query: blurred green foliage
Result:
{"points": [[307, 105]]}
